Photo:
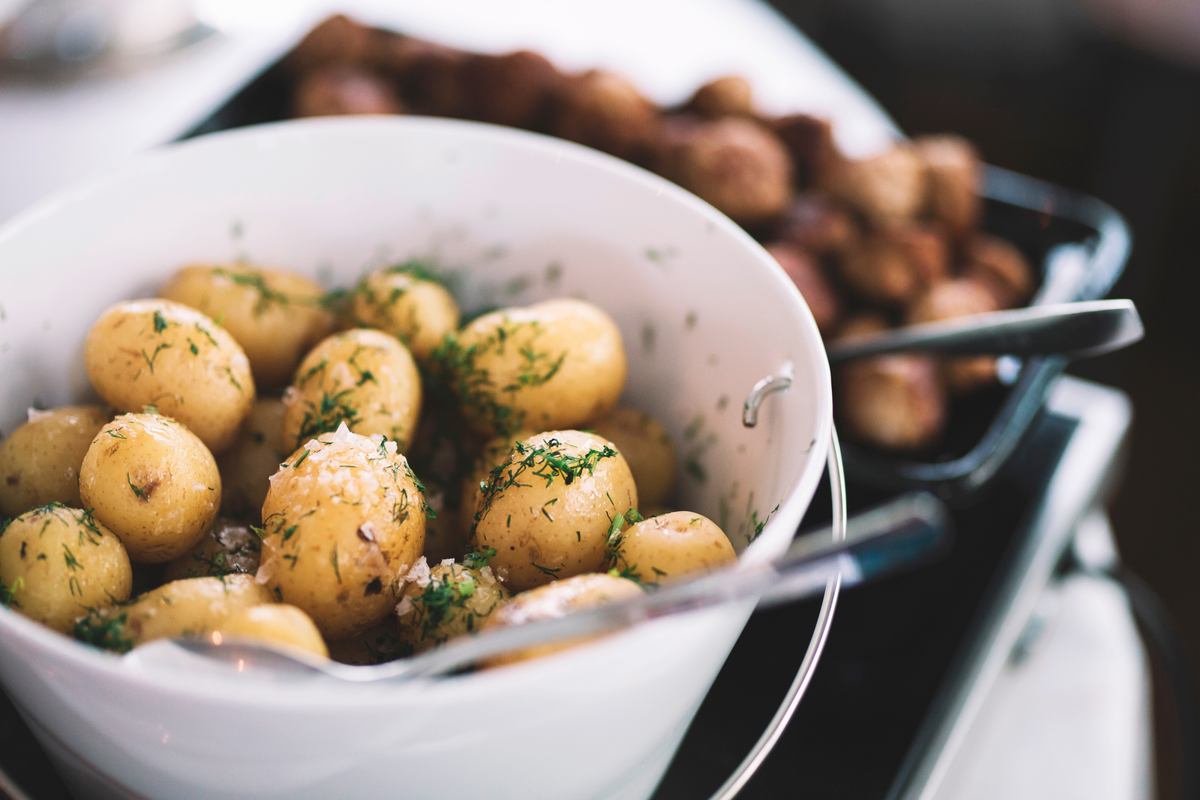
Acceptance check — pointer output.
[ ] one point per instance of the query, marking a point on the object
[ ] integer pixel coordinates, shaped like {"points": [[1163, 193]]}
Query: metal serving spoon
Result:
{"points": [[899, 534], [1074, 330]]}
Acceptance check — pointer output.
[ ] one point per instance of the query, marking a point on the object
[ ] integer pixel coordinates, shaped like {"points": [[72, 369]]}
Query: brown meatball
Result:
{"points": [[889, 187], [810, 142], [950, 300], [736, 164], [515, 89], [603, 110], [730, 96], [1000, 266], [954, 174], [344, 90], [895, 402], [814, 287], [895, 264], [816, 224], [431, 78], [337, 40]]}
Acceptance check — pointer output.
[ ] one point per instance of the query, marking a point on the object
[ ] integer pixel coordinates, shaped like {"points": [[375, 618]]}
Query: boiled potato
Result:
{"points": [[446, 601], [417, 311], [273, 624], [153, 483], [165, 354], [58, 563], [548, 510], [247, 467], [275, 316], [669, 546], [39, 462], [191, 607], [494, 453], [647, 447], [227, 547], [554, 600], [376, 645], [344, 519], [364, 378], [557, 364]]}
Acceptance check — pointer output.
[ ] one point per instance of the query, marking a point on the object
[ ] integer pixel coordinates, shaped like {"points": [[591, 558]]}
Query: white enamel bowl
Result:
{"points": [[705, 314]]}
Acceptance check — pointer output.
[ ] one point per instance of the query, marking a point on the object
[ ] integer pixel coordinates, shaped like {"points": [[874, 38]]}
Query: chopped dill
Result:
{"points": [[140, 491], [551, 572], [333, 561], [207, 334], [8, 593], [160, 322], [69, 558], [150, 359], [106, 632], [478, 560]]}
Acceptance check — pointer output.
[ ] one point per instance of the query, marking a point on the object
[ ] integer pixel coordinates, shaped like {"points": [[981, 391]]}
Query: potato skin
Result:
{"points": [[166, 354], [547, 510], [39, 461], [364, 378], [417, 312], [552, 365], [446, 601], [57, 563], [153, 483], [228, 547], [247, 467], [273, 624], [344, 519], [646, 446], [493, 454], [191, 607], [276, 316], [671, 545], [554, 600]]}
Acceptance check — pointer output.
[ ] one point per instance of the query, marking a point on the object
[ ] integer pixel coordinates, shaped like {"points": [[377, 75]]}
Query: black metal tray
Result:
{"points": [[985, 429]]}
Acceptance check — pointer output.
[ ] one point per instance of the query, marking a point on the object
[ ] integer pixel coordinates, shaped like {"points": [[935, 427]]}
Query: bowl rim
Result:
{"points": [[155, 163]]}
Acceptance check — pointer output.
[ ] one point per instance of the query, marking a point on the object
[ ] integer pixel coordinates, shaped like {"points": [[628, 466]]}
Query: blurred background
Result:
{"points": [[1102, 96]]}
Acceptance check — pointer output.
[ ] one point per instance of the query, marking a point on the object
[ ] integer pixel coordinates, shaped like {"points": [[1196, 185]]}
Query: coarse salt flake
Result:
{"points": [[419, 573], [404, 607]]}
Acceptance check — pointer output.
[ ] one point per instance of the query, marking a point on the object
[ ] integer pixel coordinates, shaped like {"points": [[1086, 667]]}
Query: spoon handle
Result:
{"points": [[1074, 330]]}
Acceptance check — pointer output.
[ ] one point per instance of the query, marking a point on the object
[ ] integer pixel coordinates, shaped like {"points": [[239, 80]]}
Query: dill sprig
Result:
{"points": [[257, 281], [8, 593], [549, 460], [326, 416], [99, 629]]}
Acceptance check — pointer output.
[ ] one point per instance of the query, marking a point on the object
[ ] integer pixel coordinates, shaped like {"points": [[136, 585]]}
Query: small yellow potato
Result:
{"points": [[39, 462], [58, 563], [191, 607], [227, 548], [247, 467], [344, 520], [494, 453], [167, 355], [553, 365], [671, 545], [153, 483], [548, 510], [554, 600], [647, 447], [276, 316], [376, 645], [273, 624], [364, 378], [417, 311], [445, 602]]}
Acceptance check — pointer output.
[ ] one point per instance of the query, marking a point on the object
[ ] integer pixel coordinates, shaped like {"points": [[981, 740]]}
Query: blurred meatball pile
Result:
{"points": [[874, 243]]}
